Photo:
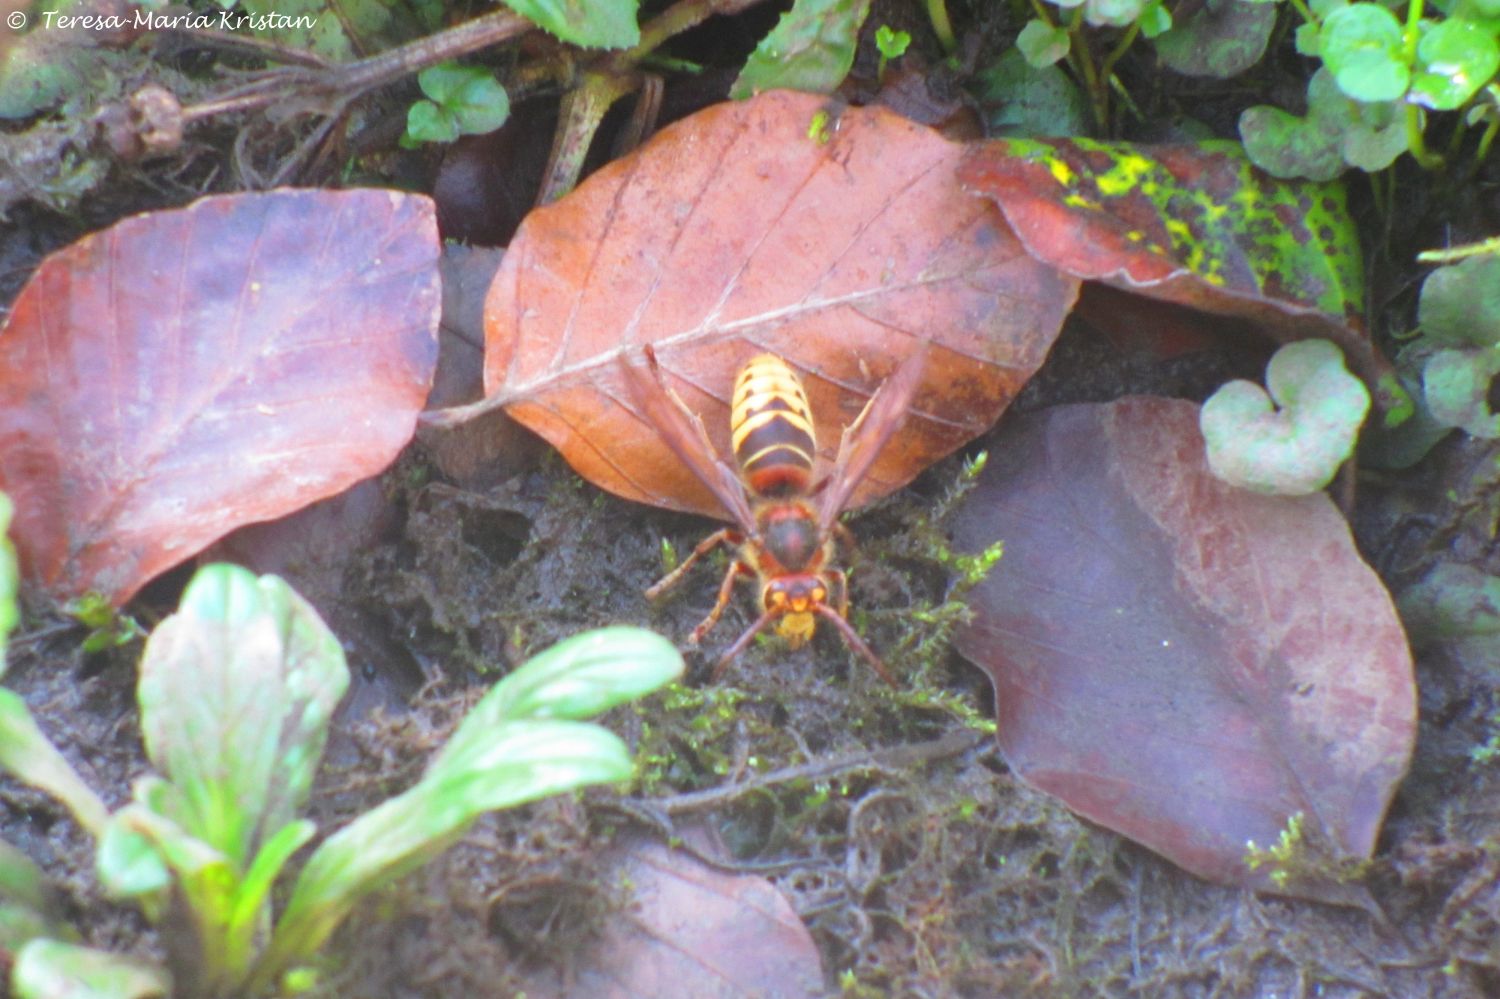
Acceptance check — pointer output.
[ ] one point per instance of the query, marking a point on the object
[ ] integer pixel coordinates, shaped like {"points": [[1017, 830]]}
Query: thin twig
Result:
{"points": [[341, 83], [890, 760]]}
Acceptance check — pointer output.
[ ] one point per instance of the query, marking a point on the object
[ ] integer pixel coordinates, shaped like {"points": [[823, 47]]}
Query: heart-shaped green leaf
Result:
{"points": [[1294, 449]]}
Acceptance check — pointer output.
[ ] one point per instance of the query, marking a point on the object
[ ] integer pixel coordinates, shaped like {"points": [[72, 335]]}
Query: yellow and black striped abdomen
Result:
{"points": [[771, 427]]}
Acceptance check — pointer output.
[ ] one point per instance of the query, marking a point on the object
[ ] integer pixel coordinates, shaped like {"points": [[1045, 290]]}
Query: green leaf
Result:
{"points": [[482, 107], [1112, 13], [1456, 384], [1042, 44], [338, 32], [1336, 132], [1296, 449], [473, 98], [27, 908], [239, 649], [1155, 20], [1286, 146], [1397, 444], [1454, 600], [1374, 136], [51, 969], [465, 100], [427, 122], [1019, 100], [1485, 13], [32, 759], [205, 875], [250, 907], [1454, 59], [10, 578], [1460, 303], [578, 677], [446, 82], [591, 24], [891, 44], [1220, 39], [1309, 40], [128, 863], [108, 627], [1362, 45], [515, 762], [42, 67], [206, 885], [810, 49]]}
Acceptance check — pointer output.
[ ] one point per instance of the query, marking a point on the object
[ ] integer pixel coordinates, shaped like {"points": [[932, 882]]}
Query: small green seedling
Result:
{"points": [[462, 100], [818, 127], [892, 44], [1294, 445], [201, 846], [108, 628]]}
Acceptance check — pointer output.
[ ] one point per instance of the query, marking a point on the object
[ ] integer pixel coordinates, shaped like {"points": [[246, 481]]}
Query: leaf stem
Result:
{"points": [[1107, 67], [1417, 142], [1413, 32], [1486, 140], [937, 13], [1454, 253], [1308, 17], [1082, 59]]}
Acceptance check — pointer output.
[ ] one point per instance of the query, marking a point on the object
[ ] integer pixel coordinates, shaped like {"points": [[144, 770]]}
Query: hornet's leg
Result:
{"points": [[740, 643], [726, 590], [856, 643], [722, 536], [838, 588]]}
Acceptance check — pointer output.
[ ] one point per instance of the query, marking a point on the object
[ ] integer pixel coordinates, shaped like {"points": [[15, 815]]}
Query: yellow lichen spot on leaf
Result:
{"points": [[1181, 235], [1131, 172]]}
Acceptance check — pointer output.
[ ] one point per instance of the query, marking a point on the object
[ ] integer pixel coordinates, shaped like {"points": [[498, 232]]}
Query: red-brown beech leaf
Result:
{"points": [[1195, 225], [186, 372], [749, 227], [1184, 662], [692, 932]]}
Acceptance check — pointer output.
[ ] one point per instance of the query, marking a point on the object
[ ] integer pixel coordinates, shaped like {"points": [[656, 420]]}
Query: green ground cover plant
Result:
{"points": [[236, 692]]}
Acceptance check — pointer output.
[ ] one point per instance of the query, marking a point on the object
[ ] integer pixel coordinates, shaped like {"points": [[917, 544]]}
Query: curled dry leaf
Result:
{"points": [[186, 372], [842, 245], [1184, 662], [1152, 220]]}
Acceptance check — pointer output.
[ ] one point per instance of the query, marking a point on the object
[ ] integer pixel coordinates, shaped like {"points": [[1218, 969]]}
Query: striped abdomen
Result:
{"points": [[771, 427]]}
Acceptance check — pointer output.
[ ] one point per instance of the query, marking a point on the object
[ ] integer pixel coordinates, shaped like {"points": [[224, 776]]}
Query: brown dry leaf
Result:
{"points": [[1184, 662], [746, 228], [186, 372]]}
